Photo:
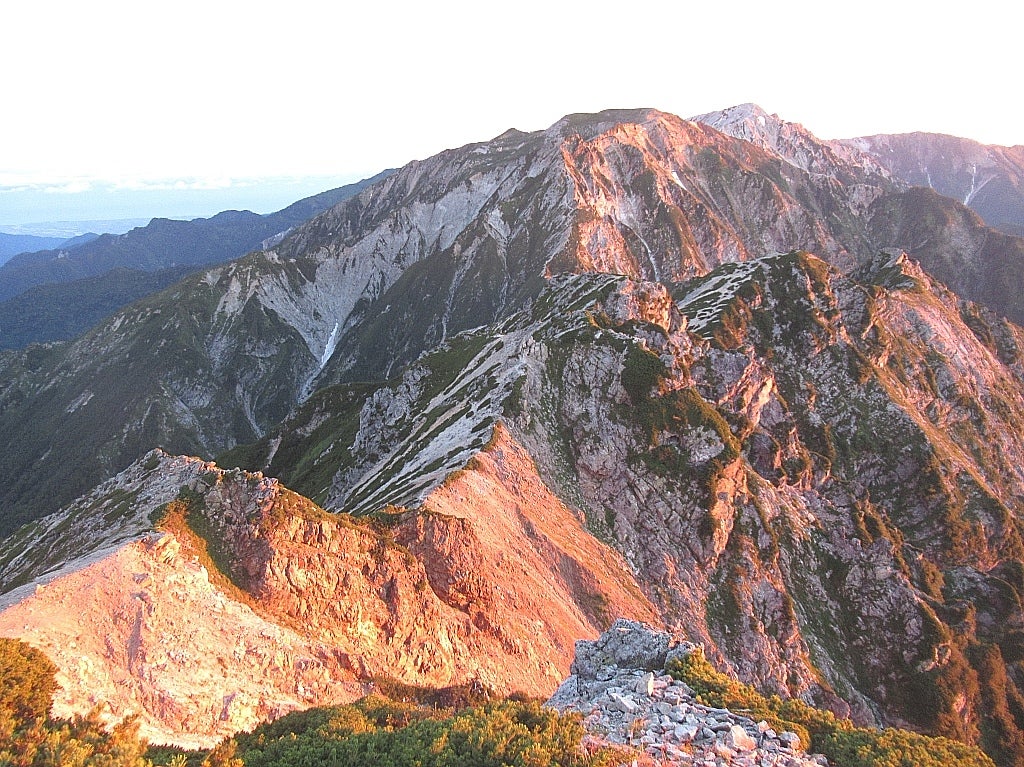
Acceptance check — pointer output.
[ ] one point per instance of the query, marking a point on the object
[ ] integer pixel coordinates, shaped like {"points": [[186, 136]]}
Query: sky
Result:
{"points": [[124, 109]]}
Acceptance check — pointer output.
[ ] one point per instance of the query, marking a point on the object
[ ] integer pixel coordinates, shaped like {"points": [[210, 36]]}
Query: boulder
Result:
{"points": [[790, 740], [738, 739], [626, 645]]}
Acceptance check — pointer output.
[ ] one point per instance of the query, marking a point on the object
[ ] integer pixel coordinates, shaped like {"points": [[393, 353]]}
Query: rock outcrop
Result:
{"points": [[619, 685], [250, 601]]}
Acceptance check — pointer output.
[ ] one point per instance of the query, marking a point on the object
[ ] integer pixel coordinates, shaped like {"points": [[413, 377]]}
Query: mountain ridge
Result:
{"points": [[583, 337], [732, 481], [13, 244], [168, 246], [448, 243], [988, 178]]}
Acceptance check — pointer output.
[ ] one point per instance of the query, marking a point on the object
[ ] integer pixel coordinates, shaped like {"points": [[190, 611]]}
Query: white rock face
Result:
{"points": [[157, 640]]}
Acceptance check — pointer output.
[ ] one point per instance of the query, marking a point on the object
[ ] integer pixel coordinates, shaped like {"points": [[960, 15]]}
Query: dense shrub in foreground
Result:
{"points": [[380, 732]]}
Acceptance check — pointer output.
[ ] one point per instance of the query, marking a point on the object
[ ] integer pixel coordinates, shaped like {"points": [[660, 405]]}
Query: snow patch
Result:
{"points": [[332, 344], [975, 186], [79, 402], [705, 303], [463, 418]]}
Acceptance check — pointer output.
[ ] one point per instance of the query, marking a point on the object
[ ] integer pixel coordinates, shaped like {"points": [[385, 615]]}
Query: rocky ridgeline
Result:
{"points": [[618, 682]]}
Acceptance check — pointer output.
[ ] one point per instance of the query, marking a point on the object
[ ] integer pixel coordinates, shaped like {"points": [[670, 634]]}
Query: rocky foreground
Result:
{"points": [[618, 683]]}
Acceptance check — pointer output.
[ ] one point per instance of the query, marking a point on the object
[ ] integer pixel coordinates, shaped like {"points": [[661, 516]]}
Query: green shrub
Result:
{"points": [[29, 738], [838, 739], [641, 371], [898, 748], [714, 688], [26, 682], [380, 732]]}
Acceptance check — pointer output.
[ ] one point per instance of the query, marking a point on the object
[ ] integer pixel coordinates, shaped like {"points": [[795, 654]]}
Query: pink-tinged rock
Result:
{"points": [[738, 739]]}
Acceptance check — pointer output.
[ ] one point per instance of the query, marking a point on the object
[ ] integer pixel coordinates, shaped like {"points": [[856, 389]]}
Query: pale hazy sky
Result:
{"points": [[200, 93]]}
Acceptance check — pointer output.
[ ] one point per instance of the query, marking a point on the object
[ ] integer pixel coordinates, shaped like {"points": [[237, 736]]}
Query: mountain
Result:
{"points": [[13, 244], [949, 240], [293, 607], [445, 244], [122, 269], [61, 311], [795, 144], [79, 239], [785, 515], [603, 347], [988, 179], [165, 243], [772, 457]]}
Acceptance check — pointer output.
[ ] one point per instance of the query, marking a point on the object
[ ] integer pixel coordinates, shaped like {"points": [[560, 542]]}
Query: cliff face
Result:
{"points": [[251, 601], [795, 482]]}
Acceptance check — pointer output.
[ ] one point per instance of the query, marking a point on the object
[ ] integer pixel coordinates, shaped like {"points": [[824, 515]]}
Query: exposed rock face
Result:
{"points": [[627, 645], [974, 260], [143, 632], [492, 581], [798, 146], [619, 685], [775, 527], [98, 524]]}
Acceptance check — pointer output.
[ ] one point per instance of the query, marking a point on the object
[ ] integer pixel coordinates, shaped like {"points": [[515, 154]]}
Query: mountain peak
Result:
{"points": [[791, 141], [592, 124], [749, 118], [988, 179]]}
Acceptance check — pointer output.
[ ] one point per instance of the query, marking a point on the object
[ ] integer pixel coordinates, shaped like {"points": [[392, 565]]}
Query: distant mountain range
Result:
{"points": [[64, 310], [66, 230], [714, 374], [988, 179], [85, 281], [926, 172], [13, 244]]}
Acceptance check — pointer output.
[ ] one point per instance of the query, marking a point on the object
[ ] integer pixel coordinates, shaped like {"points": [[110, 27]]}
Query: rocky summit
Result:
{"points": [[714, 375], [619, 685]]}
